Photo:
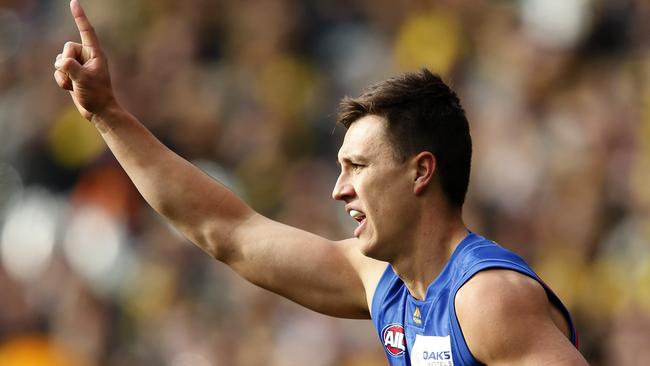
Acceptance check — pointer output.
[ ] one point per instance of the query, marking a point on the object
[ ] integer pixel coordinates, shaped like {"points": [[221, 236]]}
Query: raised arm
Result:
{"points": [[328, 277]]}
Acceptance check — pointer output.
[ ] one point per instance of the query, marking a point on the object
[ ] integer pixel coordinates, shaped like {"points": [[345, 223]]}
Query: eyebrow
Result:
{"points": [[349, 158]]}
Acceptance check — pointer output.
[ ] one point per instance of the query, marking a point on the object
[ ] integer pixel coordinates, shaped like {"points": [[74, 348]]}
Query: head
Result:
{"points": [[421, 130]]}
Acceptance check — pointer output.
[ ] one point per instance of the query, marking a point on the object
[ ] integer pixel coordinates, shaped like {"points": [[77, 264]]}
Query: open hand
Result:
{"points": [[83, 69]]}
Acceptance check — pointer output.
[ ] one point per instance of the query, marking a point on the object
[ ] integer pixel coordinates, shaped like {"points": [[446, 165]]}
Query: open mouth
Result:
{"points": [[360, 217]]}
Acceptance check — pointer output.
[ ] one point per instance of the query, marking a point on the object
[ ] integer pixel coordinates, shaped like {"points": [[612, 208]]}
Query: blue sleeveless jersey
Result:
{"points": [[427, 332]]}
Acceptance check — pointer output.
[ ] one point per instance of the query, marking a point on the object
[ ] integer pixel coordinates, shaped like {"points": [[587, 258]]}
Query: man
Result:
{"points": [[446, 295]]}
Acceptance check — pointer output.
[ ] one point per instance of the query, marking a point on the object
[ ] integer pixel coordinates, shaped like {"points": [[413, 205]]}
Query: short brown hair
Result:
{"points": [[423, 114]]}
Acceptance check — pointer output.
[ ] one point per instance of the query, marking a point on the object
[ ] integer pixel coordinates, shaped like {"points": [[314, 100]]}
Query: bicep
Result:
{"points": [[317, 273], [506, 320]]}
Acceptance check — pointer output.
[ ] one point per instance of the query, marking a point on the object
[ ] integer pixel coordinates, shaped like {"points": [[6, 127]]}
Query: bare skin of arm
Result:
{"points": [[333, 278], [507, 319]]}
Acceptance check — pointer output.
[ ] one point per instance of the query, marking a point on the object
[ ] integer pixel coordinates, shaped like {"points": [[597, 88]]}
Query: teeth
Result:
{"points": [[356, 214]]}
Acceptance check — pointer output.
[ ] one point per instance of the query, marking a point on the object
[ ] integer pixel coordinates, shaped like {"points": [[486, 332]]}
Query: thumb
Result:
{"points": [[70, 66]]}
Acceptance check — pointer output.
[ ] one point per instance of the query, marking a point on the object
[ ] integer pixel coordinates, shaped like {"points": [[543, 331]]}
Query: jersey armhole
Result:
{"points": [[380, 292], [457, 332]]}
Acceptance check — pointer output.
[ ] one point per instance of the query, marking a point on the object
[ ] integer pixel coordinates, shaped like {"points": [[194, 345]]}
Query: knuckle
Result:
{"points": [[71, 45], [66, 64]]}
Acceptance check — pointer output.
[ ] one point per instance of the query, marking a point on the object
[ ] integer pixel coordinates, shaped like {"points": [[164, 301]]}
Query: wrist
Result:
{"points": [[108, 117]]}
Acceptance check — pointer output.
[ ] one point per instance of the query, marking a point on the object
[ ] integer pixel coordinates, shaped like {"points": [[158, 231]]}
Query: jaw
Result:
{"points": [[390, 247], [368, 243], [374, 248]]}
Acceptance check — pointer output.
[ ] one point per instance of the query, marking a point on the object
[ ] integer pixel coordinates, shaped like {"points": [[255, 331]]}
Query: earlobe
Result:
{"points": [[425, 166]]}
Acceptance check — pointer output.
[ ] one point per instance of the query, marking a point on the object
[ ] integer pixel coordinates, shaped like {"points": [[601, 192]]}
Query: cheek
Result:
{"points": [[388, 201], [395, 202], [385, 193]]}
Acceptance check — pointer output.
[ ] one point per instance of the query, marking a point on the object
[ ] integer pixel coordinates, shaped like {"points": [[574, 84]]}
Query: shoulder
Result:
{"points": [[506, 318], [487, 287]]}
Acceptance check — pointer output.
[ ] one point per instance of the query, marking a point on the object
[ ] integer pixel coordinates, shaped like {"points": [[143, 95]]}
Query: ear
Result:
{"points": [[425, 166]]}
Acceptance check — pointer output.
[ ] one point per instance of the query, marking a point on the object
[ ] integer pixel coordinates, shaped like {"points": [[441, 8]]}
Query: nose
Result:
{"points": [[343, 190]]}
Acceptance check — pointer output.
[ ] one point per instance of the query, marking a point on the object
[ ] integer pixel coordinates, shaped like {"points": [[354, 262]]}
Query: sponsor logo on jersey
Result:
{"points": [[393, 337], [417, 315], [431, 351], [436, 355]]}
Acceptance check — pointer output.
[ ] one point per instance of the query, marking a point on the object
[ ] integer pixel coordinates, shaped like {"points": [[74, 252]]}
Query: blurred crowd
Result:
{"points": [[558, 97]]}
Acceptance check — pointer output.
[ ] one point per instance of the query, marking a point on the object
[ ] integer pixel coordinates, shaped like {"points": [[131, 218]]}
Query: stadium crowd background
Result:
{"points": [[558, 96]]}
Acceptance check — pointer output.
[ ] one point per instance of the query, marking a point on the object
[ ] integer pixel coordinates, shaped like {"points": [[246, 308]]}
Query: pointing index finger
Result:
{"points": [[88, 36]]}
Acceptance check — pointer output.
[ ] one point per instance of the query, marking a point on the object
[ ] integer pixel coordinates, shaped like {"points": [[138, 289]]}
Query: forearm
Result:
{"points": [[203, 209]]}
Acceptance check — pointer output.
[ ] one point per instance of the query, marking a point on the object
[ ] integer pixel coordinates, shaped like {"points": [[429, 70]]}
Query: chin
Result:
{"points": [[371, 249], [365, 246]]}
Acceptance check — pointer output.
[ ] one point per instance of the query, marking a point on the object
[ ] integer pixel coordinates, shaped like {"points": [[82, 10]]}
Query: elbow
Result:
{"points": [[204, 234], [214, 228], [219, 240]]}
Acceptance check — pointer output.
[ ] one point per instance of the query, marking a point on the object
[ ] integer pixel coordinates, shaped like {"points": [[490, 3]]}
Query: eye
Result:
{"points": [[356, 167]]}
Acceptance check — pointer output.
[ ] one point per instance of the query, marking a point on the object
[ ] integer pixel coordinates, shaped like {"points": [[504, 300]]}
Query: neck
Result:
{"points": [[435, 238]]}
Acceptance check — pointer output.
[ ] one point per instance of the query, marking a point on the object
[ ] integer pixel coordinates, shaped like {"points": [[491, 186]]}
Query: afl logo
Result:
{"points": [[393, 337]]}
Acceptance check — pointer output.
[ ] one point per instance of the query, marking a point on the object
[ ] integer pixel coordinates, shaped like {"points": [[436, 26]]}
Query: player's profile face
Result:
{"points": [[375, 187]]}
